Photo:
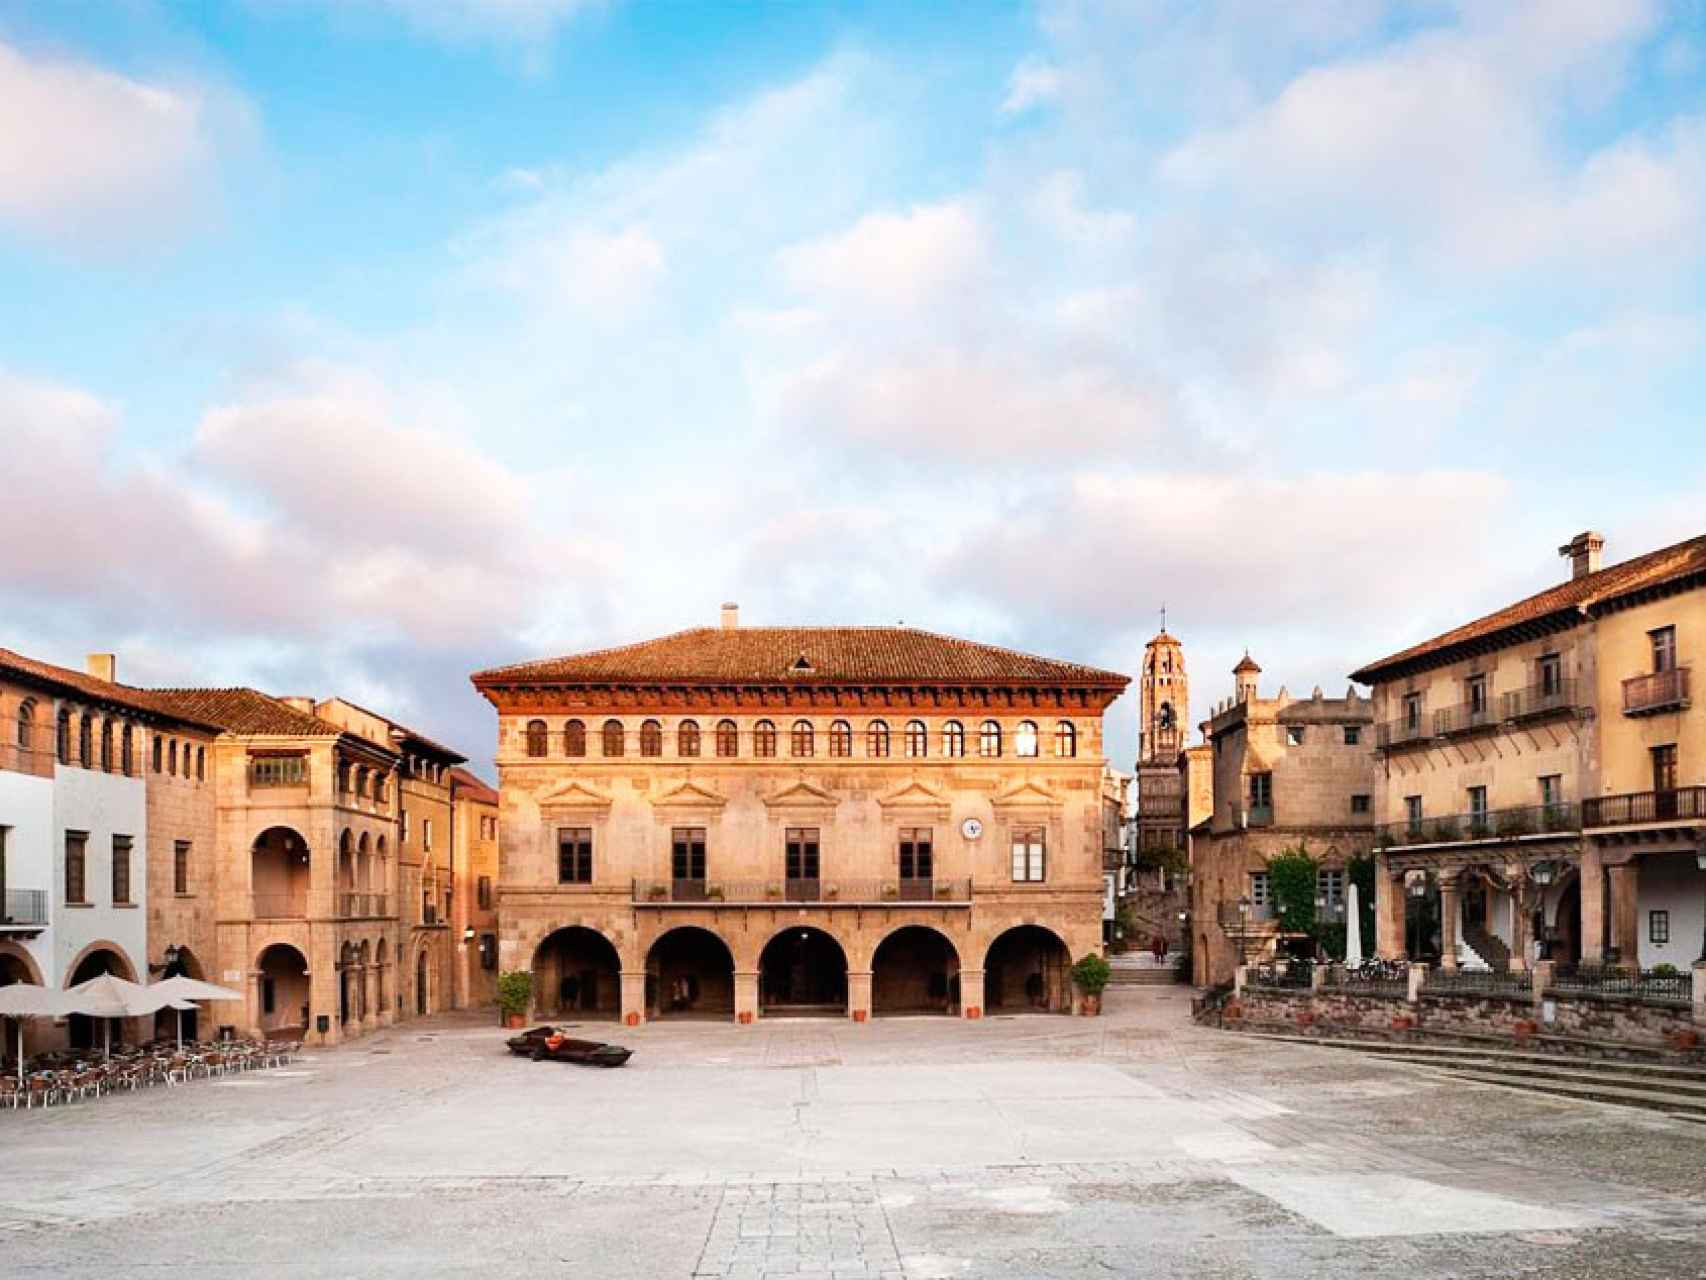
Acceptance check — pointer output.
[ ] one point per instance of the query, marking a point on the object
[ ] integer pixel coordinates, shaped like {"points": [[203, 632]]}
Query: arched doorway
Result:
{"points": [[85, 1031], [801, 972], [422, 1003], [915, 970], [362, 956], [690, 972], [346, 984], [182, 964], [284, 1011], [577, 973], [1027, 972], [278, 874], [1565, 944], [381, 961]]}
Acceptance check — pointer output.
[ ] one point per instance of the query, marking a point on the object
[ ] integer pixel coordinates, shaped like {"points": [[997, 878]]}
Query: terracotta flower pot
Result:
{"points": [[632, 1019], [1524, 1028], [1686, 1039], [859, 1015], [515, 1021], [972, 1011], [1305, 1018], [745, 1017], [1090, 1006], [1403, 1022]]}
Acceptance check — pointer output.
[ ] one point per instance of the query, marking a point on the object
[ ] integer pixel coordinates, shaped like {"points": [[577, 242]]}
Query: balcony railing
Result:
{"points": [[782, 891], [1547, 698], [1395, 733], [1682, 804], [1485, 824], [1659, 691], [278, 906], [24, 909], [360, 906], [1230, 917], [1467, 718]]}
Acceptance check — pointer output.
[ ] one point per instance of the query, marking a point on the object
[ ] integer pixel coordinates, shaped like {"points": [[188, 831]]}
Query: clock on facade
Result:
{"points": [[971, 828]]}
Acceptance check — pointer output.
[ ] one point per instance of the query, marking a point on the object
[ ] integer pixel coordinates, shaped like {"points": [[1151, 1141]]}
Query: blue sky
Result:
{"points": [[351, 347]]}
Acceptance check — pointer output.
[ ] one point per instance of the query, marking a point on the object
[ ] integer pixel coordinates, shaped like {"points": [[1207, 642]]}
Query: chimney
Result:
{"points": [[1583, 551], [103, 666], [299, 703], [731, 615]]}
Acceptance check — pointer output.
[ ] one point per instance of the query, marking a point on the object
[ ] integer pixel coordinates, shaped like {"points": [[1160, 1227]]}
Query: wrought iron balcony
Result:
{"points": [[359, 906], [782, 891], [1547, 698], [1682, 804], [1396, 733], [1466, 718], [1231, 918], [1658, 691], [1484, 824], [24, 909]]}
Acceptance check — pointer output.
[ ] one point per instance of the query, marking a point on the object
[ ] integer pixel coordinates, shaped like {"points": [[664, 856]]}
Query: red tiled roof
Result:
{"points": [[1579, 596], [67, 682], [831, 655], [247, 711], [466, 781]]}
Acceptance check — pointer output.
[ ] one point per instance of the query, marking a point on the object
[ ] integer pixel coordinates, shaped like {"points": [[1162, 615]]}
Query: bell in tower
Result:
{"points": [[1164, 695]]}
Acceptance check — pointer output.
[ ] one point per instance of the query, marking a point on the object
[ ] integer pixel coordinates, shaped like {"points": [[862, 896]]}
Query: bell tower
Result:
{"points": [[1164, 700]]}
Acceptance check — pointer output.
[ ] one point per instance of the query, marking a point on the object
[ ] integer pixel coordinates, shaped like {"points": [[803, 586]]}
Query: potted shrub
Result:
{"points": [[890, 892], [772, 891], [658, 892], [515, 993], [944, 891], [831, 892], [1091, 975]]}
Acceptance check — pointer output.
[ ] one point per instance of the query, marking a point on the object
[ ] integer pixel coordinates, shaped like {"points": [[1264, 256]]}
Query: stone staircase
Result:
{"points": [[1644, 1080], [1489, 951], [1141, 969]]}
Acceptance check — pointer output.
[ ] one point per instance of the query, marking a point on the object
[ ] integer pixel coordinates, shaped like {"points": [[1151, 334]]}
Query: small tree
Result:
{"points": [[1292, 878], [1092, 974], [515, 992]]}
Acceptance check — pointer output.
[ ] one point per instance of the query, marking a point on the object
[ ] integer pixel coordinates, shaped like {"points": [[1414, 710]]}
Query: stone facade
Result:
{"points": [[736, 821], [474, 872]]}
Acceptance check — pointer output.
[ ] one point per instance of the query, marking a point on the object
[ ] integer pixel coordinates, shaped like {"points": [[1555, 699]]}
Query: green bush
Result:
{"points": [[515, 991], [1092, 974]]}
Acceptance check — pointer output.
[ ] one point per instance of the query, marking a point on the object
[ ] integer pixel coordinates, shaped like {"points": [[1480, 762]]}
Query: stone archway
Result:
{"points": [[423, 976], [803, 972], [915, 969], [16, 965], [94, 960], [577, 973], [1028, 970], [284, 1008], [279, 865], [690, 972]]}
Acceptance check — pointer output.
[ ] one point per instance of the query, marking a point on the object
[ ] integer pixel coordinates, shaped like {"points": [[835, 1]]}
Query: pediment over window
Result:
{"points": [[573, 795], [1027, 795], [915, 795], [690, 795], [801, 794]]}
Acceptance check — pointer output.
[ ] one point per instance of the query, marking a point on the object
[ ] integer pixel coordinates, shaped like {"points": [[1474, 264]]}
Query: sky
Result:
{"points": [[349, 348]]}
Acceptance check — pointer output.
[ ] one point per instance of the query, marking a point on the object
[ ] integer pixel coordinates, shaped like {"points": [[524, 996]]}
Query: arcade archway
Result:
{"points": [[690, 972], [803, 971], [577, 974], [1028, 970], [915, 970]]}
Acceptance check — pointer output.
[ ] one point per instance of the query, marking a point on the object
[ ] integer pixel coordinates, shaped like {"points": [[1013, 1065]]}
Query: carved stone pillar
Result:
{"points": [[1449, 899]]}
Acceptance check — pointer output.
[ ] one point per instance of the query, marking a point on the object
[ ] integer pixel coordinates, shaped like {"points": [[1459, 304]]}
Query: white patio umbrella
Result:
{"points": [[109, 996], [23, 1000], [184, 990], [1353, 930]]}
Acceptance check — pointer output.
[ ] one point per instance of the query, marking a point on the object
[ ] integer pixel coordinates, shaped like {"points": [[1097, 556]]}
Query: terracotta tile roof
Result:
{"points": [[466, 782], [804, 655], [65, 681], [247, 711], [1577, 597]]}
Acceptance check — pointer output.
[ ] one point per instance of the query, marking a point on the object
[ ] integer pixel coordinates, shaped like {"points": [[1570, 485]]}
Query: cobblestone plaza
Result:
{"points": [[1135, 1144]]}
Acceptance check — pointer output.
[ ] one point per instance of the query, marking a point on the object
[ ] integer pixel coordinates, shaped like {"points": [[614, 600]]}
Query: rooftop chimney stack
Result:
{"points": [[1584, 553], [731, 616], [103, 666]]}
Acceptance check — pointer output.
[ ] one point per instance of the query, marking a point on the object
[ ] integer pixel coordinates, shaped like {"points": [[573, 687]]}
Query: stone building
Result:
{"points": [[474, 871], [737, 821], [1153, 891], [1288, 774], [1542, 780]]}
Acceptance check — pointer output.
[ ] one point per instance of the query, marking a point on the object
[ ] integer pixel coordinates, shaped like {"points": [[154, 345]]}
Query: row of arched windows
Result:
{"points": [[361, 781], [109, 744], [802, 739]]}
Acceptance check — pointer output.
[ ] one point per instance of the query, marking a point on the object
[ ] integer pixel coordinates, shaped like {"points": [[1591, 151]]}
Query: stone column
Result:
{"points": [[1592, 923], [1418, 975], [633, 997], [859, 994], [1388, 910], [971, 993], [1522, 924], [1448, 908], [746, 995], [1542, 980], [1700, 993], [1625, 897]]}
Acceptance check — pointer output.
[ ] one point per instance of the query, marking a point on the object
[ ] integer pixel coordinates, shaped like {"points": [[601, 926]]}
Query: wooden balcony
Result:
{"points": [[1655, 692]]}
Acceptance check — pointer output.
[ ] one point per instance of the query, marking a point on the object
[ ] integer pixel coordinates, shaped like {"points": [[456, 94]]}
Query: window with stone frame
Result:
{"points": [[86, 741], [615, 738], [953, 739], [1030, 857], [574, 738], [687, 855], [1353, 735], [574, 855], [1663, 641], [106, 746], [159, 754], [1658, 927], [1065, 739], [840, 739], [536, 735], [917, 854], [26, 723], [1413, 712], [728, 739], [1294, 735], [917, 739], [802, 848], [121, 871], [989, 739], [181, 867], [1025, 739], [127, 750], [651, 738], [687, 738], [76, 863], [802, 739], [1362, 803], [1413, 814], [877, 739], [764, 738]]}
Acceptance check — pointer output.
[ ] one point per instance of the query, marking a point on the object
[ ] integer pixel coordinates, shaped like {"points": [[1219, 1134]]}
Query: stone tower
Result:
{"points": [[1164, 702]]}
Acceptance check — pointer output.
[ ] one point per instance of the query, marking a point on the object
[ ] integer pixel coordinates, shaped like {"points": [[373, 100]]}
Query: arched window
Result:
{"points": [[64, 737], [159, 753], [802, 741], [989, 739], [107, 745], [536, 738], [1025, 738], [877, 738], [361, 782], [764, 738], [1065, 739], [201, 768], [651, 738], [728, 738], [615, 741], [574, 738], [127, 750], [172, 757], [343, 771], [917, 739], [26, 722], [953, 739], [840, 739], [687, 738], [86, 741]]}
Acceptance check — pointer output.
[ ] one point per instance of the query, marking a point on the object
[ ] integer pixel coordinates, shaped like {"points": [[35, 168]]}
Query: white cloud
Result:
{"points": [[1033, 84], [893, 259], [89, 156], [527, 22]]}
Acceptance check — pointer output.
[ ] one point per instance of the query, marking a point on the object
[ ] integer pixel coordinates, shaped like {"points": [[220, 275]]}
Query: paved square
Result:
{"points": [[1131, 1145]]}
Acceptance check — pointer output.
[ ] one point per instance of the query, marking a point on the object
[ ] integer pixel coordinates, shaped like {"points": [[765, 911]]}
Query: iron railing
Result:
{"points": [[1479, 982], [1656, 691], [356, 906], [24, 907], [1676, 805], [1230, 917], [1466, 718], [1395, 733], [783, 890], [1665, 986], [1284, 975], [1370, 980], [1483, 824], [1544, 699]]}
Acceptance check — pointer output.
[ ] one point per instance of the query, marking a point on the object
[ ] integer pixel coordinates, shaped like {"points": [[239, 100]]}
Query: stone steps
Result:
{"points": [[1141, 978]]}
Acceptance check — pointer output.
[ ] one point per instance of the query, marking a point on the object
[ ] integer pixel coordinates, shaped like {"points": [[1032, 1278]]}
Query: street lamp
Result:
{"points": [[1243, 930], [1417, 888]]}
